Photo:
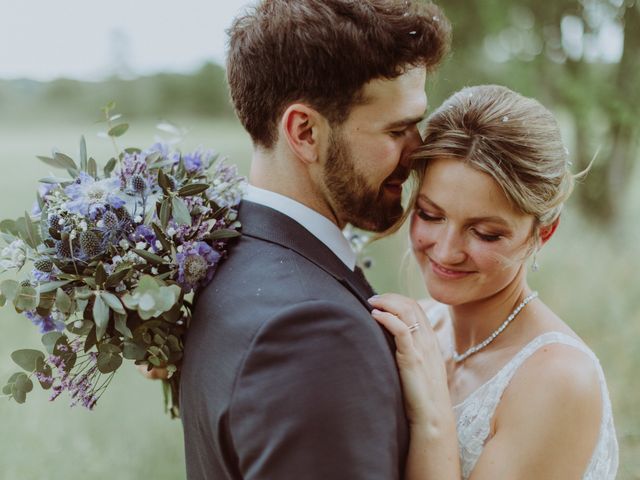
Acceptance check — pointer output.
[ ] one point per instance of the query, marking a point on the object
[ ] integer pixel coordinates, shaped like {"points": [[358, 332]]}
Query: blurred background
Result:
{"points": [[162, 61]]}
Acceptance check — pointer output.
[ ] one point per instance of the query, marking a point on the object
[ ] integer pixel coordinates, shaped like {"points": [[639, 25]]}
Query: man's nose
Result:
{"points": [[413, 141]]}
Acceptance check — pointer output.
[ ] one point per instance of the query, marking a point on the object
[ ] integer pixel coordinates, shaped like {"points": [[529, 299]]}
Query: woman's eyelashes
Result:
{"points": [[427, 217], [484, 236], [487, 237]]}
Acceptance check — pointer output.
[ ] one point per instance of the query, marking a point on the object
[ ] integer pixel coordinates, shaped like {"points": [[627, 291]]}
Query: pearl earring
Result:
{"points": [[535, 266]]}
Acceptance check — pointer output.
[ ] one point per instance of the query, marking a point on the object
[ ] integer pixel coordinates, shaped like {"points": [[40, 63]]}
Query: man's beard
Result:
{"points": [[353, 199]]}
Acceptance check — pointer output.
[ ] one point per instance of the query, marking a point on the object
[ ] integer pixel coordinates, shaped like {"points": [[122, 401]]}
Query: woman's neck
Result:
{"points": [[473, 322]]}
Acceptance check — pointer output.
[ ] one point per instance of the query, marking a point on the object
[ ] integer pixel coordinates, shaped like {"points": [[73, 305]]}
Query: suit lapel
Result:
{"points": [[272, 226]]}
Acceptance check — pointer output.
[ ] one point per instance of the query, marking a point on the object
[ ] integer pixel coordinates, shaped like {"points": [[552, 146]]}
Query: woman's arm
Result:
{"points": [[433, 453]]}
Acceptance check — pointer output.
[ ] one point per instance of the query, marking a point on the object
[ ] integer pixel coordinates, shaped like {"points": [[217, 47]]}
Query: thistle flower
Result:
{"points": [[196, 265], [89, 196]]}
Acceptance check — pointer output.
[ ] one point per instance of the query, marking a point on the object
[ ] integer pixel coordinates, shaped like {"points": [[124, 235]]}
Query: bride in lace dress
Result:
{"points": [[496, 385]]}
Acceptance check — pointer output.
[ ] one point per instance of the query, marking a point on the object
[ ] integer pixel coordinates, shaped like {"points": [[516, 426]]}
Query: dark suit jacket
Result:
{"points": [[285, 374]]}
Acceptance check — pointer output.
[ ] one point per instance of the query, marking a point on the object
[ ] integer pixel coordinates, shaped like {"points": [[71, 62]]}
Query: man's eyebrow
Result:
{"points": [[405, 122]]}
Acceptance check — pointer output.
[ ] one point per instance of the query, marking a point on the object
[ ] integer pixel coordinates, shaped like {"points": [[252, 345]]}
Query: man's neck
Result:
{"points": [[285, 177]]}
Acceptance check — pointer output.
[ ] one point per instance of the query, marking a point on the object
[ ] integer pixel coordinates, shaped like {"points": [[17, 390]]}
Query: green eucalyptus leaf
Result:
{"points": [[24, 383], [165, 212], [180, 211], [47, 372], [193, 189], [83, 154], [52, 286], [27, 298], [32, 235], [63, 301], [100, 275], [120, 321], [27, 358], [109, 358], [65, 161], [9, 289], [115, 278], [8, 226], [161, 237], [133, 351], [163, 181], [92, 168], [118, 130], [100, 316], [49, 340], [113, 301], [108, 168], [91, 340], [150, 257], [223, 234], [83, 328]]}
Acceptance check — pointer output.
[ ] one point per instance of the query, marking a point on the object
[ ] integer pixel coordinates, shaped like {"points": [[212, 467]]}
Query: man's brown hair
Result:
{"points": [[322, 52]]}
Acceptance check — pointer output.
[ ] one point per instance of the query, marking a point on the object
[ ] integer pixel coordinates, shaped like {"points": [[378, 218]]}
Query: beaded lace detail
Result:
{"points": [[474, 414]]}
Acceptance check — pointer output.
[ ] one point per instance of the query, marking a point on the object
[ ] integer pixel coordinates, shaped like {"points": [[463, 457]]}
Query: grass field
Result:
{"points": [[588, 276]]}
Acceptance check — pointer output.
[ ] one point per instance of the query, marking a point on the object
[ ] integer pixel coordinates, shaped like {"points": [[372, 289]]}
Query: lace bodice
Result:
{"points": [[474, 414]]}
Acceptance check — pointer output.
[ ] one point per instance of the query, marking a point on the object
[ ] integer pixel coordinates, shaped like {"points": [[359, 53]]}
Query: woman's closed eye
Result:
{"points": [[426, 216], [486, 237]]}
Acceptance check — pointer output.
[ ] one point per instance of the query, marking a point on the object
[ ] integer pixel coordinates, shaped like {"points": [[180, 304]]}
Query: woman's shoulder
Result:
{"points": [[559, 382]]}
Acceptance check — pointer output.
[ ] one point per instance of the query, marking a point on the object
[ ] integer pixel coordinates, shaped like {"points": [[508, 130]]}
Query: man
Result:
{"points": [[286, 375]]}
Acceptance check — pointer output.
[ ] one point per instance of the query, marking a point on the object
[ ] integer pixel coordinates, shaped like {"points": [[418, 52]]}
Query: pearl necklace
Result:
{"points": [[459, 357]]}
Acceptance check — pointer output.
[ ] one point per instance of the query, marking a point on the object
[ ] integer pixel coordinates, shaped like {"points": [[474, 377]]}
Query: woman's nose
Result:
{"points": [[448, 248]]}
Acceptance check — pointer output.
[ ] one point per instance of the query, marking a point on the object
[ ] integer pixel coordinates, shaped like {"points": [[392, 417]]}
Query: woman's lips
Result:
{"points": [[446, 272]]}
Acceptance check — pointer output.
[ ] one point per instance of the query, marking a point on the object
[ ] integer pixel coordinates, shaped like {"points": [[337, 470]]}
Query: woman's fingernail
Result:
{"points": [[374, 311], [374, 297]]}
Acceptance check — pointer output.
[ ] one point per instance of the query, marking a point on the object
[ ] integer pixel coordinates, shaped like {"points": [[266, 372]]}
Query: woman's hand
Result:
{"points": [[418, 355], [433, 452]]}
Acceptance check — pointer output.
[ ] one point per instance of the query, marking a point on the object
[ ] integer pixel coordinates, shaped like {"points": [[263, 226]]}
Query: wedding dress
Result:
{"points": [[475, 413]]}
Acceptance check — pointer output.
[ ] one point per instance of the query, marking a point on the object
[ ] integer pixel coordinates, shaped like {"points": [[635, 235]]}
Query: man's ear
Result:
{"points": [[301, 126], [547, 231]]}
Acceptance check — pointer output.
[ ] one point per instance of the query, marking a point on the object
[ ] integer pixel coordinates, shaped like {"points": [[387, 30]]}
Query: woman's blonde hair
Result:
{"points": [[512, 138]]}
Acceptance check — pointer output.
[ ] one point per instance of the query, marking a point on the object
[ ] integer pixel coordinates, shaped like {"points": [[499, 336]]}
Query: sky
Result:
{"points": [[92, 39]]}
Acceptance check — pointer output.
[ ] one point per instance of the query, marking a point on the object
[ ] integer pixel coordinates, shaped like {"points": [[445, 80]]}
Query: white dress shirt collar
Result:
{"points": [[320, 226]]}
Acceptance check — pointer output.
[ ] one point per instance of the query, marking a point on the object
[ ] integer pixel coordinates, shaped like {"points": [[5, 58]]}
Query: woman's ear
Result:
{"points": [[547, 231], [301, 126]]}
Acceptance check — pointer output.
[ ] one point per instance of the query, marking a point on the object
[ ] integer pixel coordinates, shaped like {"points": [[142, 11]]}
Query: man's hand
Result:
{"points": [[155, 373]]}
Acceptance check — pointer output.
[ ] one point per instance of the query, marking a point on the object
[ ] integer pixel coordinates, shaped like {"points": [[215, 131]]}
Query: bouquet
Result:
{"points": [[116, 256]]}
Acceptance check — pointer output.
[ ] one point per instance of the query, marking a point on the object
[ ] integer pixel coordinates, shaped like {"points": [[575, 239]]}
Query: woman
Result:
{"points": [[496, 385]]}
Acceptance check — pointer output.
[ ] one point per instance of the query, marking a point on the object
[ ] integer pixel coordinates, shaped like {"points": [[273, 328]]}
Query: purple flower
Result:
{"points": [[193, 162], [43, 190], [89, 196], [44, 324], [143, 234], [41, 277], [196, 265]]}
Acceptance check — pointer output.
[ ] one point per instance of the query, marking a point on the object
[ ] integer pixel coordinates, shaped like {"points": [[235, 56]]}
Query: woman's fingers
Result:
{"points": [[400, 331], [406, 309]]}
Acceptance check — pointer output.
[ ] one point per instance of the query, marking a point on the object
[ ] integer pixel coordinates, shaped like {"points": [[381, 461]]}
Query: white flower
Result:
{"points": [[158, 244], [124, 244], [138, 219], [141, 245], [13, 255], [171, 232]]}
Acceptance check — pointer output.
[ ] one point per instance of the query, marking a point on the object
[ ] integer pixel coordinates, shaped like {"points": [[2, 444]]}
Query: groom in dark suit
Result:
{"points": [[286, 375]]}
